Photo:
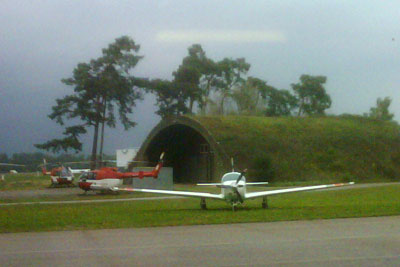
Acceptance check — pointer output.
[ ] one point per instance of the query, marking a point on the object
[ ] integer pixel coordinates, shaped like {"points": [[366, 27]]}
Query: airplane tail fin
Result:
{"points": [[158, 167]]}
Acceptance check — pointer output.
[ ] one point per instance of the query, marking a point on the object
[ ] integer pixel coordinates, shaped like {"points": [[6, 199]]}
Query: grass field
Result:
{"points": [[79, 195], [323, 149], [24, 181], [352, 202]]}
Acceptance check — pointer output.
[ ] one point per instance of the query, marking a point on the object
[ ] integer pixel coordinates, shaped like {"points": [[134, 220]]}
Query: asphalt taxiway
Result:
{"points": [[341, 242]]}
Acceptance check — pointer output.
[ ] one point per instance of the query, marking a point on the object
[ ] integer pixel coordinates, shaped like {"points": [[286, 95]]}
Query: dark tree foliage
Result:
{"points": [[171, 99], [33, 161], [71, 140], [193, 81], [247, 96], [3, 158], [187, 77], [280, 102], [276, 102], [197, 77], [230, 74], [311, 94], [100, 86], [381, 111]]}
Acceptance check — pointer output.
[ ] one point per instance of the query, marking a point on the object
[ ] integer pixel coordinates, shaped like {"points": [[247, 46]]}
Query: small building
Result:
{"points": [[125, 156]]}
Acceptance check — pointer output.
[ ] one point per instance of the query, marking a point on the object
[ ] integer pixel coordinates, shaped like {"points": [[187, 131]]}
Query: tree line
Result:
{"points": [[32, 161], [204, 86], [106, 86]]}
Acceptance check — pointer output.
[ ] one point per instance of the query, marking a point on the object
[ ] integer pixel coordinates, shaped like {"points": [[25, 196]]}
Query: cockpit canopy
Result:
{"points": [[232, 176], [88, 175], [64, 172]]}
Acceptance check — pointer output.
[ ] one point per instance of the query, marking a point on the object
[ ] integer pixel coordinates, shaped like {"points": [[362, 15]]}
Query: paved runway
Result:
{"points": [[355, 242]]}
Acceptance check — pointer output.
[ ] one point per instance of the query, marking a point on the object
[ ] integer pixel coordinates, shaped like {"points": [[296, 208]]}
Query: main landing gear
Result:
{"points": [[264, 203], [203, 204]]}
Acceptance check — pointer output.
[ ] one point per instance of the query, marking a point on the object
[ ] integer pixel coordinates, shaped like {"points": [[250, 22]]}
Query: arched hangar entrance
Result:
{"points": [[190, 149]]}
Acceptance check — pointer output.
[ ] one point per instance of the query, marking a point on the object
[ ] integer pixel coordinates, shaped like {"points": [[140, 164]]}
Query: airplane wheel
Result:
{"points": [[203, 204], [264, 204]]}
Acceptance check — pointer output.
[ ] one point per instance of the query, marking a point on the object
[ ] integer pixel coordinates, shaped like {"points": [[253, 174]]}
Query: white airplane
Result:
{"points": [[233, 190]]}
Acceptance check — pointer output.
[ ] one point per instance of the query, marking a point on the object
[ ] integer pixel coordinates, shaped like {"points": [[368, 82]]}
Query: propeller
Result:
{"points": [[236, 185], [241, 176]]}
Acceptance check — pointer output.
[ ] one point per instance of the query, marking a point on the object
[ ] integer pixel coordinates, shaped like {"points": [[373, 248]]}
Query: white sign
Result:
{"points": [[125, 156]]}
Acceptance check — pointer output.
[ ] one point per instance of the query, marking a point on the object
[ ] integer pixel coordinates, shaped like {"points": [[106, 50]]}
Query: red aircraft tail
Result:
{"points": [[141, 174], [154, 173], [158, 167]]}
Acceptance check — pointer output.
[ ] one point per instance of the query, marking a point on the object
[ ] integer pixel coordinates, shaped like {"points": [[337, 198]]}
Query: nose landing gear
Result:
{"points": [[203, 204], [264, 203]]}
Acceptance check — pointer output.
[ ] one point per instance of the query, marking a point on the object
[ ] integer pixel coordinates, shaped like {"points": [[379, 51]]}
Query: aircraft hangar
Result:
{"points": [[199, 148], [191, 150]]}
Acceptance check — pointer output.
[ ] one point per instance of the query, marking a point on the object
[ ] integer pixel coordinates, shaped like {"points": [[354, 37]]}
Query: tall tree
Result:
{"points": [[99, 87], [312, 95], [171, 99], [3, 158], [381, 111], [193, 81], [196, 76], [231, 72], [279, 102], [247, 96], [186, 80]]}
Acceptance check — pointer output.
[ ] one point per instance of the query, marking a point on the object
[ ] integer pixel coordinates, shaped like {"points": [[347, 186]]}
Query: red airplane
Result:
{"points": [[106, 178]]}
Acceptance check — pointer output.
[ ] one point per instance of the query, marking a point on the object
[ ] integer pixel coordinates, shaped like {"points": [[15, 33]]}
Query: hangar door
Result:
{"points": [[187, 151]]}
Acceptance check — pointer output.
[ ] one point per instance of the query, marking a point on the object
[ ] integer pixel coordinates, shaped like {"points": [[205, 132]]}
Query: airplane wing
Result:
{"points": [[257, 183], [171, 192], [219, 184], [291, 190], [209, 184]]}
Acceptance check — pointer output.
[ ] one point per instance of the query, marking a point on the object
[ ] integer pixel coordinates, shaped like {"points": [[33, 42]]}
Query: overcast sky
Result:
{"points": [[356, 44]]}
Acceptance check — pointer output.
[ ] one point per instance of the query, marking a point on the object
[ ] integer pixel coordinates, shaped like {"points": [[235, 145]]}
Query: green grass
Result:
{"points": [[97, 195], [24, 181], [312, 149], [356, 202], [78, 196]]}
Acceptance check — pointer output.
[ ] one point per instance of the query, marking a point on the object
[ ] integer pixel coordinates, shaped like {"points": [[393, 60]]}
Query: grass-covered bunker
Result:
{"points": [[321, 149]]}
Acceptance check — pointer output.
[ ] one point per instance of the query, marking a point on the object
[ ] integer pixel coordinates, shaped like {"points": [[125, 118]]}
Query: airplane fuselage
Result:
{"points": [[233, 193], [102, 184], [102, 179]]}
